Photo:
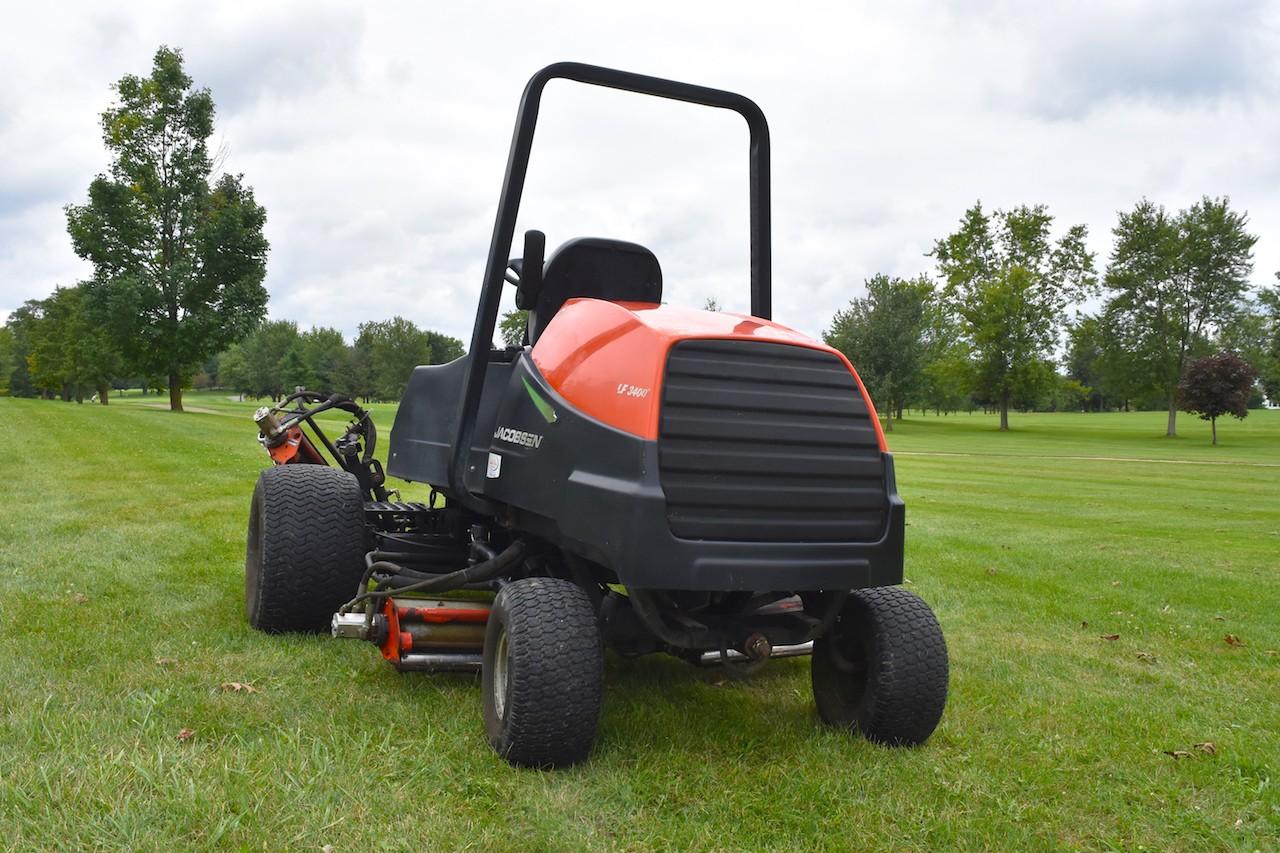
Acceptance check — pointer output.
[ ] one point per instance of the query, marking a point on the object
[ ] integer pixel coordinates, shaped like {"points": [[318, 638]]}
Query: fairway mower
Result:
{"points": [[638, 476]]}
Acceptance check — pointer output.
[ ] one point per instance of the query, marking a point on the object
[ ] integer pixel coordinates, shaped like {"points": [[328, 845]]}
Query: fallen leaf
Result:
{"points": [[186, 734], [1165, 609], [1232, 640], [79, 597], [1146, 657], [166, 661], [1176, 754], [1084, 623], [1272, 652], [328, 848], [1115, 583], [1219, 619], [991, 570], [238, 687], [1111, 637], [1207, 748]]}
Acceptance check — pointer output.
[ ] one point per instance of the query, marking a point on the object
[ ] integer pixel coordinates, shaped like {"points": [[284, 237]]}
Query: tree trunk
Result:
{"points": [[1173, 419], [1004, 413], [80, 394], [175, 392], [104, 390], [1213, 425], [888, 424]]}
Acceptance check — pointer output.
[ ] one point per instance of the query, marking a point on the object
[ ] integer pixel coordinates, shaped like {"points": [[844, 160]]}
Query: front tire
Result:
{"points": [[305, 551], [543, 673], [882, 669]]}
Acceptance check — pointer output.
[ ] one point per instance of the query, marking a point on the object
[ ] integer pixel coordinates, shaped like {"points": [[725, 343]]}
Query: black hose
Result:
{"points": [[482, 571]]}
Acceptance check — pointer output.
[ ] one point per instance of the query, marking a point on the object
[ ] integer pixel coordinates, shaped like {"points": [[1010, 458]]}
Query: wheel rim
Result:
{"points": [[501, 676]]}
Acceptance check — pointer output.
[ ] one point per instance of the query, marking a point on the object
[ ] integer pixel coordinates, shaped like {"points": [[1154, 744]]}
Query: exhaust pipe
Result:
{"points": [[735, 656]]}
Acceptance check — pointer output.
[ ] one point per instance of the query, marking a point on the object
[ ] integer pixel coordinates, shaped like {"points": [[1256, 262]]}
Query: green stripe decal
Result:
{"points": [[543, 407]]}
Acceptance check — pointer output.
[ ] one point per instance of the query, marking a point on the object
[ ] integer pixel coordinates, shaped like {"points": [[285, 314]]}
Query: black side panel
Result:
{"points": [[422, 434], [767, 442]]}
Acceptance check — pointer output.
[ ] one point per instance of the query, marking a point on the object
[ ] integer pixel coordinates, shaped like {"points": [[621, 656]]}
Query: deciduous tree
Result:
{"points": [[1008, 283], [322, 350], [883, 335], [8, 350], [1217, 385], [396, 346], [69, 351], [178, 261], [1270, 369], [1171, 279], [512, 327]]}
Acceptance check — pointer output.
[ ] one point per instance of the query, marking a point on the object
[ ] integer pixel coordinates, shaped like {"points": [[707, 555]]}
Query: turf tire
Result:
{"points": [[882, 669], [546, 711], [306, 547]]}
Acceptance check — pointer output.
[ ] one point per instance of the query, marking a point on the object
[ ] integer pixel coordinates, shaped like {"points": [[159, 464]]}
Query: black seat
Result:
{"points": [[597, 268]]}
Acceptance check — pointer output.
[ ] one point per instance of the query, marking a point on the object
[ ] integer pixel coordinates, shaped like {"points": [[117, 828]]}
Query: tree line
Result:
{"points": [[1014, 315], [53, 348], [1005, 324]]}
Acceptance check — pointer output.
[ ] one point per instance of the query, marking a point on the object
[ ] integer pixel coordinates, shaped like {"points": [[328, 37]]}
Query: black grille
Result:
{"points": [[767, 442]]}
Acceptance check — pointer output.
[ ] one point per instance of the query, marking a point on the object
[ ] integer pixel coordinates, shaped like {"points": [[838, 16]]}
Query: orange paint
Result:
{"points": [[607, 358], [391, 645], [445, 614]]}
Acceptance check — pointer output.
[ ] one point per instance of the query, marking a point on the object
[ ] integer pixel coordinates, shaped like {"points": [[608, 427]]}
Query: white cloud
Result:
{"points": [[376, 135]]}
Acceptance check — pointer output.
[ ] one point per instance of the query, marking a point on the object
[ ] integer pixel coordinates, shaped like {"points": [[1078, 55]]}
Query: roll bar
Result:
{"points": [[509, 207]]}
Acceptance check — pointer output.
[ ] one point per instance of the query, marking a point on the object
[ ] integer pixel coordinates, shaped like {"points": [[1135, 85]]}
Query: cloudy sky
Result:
{"points": [[376, 134]]}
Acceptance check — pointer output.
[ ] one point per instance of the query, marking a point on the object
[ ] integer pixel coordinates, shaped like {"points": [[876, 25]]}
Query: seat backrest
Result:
{"points": [[597, 268]]}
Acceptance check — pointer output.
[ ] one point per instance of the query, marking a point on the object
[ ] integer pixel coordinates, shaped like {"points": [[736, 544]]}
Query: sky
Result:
{"points": [[375, 135]]}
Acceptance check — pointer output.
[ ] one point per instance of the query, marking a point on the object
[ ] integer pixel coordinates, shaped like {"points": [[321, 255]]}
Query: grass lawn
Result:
{"points": [[121, 550]]}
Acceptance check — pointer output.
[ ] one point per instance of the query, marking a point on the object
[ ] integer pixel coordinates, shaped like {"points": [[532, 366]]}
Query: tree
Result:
{"points": [[233, 371], [1172, 278], [8, 357], [1084, 359], [353, 374], [1253, 333], [1217, 385], [883, 335], [396, 346], [293, 369], [322, 350], [178, 263], [20, 326], [513, 326], [711, 304], [1008, 284], [69, 352], [265, 352]]}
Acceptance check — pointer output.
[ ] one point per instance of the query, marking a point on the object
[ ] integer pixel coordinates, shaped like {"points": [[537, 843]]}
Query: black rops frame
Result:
{"points": [[509, 207]]}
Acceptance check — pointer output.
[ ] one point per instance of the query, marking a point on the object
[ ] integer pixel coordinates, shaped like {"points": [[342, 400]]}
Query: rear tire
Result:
{"points": [[306, 545], [882, 668], [543, 673]]}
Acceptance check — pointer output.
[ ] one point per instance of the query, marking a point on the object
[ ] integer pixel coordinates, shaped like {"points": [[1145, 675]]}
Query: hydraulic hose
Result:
{"points": [[482, 571]]}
